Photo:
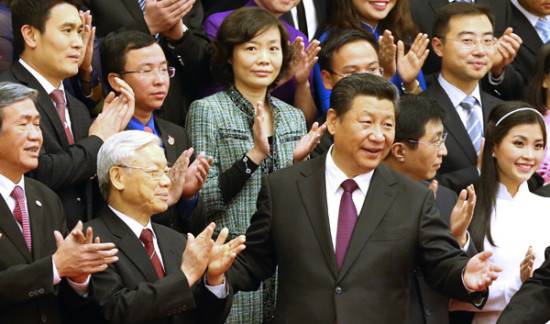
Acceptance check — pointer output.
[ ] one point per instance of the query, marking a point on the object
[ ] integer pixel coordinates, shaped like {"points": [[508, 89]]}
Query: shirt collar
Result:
{"points": [[135, 124], [502, 192], [335, 176], [532, 18], [134, 225], [48, 87], [455, 94], [7, 186]]}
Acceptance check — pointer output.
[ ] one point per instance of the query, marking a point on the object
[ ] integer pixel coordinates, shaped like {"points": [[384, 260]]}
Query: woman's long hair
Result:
{"points": [[487, 188]]}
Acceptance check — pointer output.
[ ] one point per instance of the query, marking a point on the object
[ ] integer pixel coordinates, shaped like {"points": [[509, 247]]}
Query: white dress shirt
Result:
{"points": [[49, 88], [516, 223], [311, 17], [333, 179]]}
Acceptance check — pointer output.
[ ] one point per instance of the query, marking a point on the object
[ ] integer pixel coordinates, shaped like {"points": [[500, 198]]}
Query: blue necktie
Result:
{"points": [[473, 124], [142, 5], [543, 29]]}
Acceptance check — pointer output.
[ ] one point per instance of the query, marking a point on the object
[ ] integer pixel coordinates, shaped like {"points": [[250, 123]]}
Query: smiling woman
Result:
{"points": [[508, 219]]}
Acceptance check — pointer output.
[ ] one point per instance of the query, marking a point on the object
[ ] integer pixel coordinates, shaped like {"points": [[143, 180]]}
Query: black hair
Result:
{"points": [[444, 15], [336, 39]]}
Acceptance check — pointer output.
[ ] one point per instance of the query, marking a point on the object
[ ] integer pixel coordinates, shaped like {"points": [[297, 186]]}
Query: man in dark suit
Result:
{"points": [[309, 16], [351, 259], [49, 32], [178, 26], [465, 46], [159, 277], [530, 304], [42, 275], [136, 58]]}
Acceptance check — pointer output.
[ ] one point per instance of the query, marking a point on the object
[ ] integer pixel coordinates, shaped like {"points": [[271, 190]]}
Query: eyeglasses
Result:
{"points": [[373, 70], [437, 144], [470, 42], [148, 74], [156, 174]]}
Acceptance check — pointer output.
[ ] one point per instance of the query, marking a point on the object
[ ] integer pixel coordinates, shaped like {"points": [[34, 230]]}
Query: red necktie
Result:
{"points": [[347, 217], [147, 238], [148, 129], [59, 99], [21, 215]]}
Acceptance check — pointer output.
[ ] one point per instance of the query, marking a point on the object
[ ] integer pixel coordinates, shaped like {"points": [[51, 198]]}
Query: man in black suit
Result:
{"points": [[178, 26], [137, 59], [465, 46], [309, 16], [42, 275], [50, 36], [159, 277], [346, 257]]}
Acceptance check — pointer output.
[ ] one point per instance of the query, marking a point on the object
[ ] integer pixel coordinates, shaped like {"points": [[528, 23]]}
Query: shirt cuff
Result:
{"points": [[56, 277], [80, 288], [496, 81], [220, 291], [467, 245]]}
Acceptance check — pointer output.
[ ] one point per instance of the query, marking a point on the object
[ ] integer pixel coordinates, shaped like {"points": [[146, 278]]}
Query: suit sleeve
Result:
{"points": [[530, 304], [459, 179], [511, 86]]}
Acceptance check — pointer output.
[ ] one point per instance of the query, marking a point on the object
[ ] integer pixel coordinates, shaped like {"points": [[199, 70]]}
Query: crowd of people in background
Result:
{"points": [[274, 161]]}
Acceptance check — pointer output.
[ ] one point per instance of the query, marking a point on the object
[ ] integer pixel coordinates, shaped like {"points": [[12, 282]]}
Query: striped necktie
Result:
{"points": [[473, 124], [142, 5], [21, 215], [543, 29]]}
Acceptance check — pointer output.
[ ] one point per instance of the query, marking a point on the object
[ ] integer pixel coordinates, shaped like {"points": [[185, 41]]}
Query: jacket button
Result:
{"points": [[428, 312], [338, 290], [41, 290], [78, 199], [44, 318]]}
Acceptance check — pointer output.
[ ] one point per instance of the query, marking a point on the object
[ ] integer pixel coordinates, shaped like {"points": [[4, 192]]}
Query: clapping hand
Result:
{"points": [[222, 256], [506, 50], [308, 142], [196, 254], [480, 272], [410, 64], [527, 265], [462, 213]]}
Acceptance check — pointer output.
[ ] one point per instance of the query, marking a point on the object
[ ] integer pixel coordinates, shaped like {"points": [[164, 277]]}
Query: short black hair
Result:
{"points": [[361, 84], [414, 113], [33, 13], [239, 27], [444, 15], [115, 45], [337, 39]]}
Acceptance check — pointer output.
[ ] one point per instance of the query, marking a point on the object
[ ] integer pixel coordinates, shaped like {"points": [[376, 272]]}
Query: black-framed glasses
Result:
{"points": [[373, 70], [437, 143], [156, 174], [150, 73]]}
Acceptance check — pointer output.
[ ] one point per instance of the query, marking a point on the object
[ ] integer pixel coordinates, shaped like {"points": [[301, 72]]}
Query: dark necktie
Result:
{"points": [[147, 238], [20, 214], [302, 22], [59, 99], [347, 217]]}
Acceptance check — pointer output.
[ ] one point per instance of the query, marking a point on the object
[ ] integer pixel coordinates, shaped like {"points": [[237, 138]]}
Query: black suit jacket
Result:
{"points": [[322, 10], [189, 55], [129, 291], [398, 228], [65, 169], [27, 293], [530, 304], [459, 167]]}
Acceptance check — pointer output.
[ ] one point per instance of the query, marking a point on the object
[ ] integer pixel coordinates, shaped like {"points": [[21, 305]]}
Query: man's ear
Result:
{"points": [[332, 121], [30, 35], [327, 79], [399, 151], [117, 177], [437, 44], [112, 82]]}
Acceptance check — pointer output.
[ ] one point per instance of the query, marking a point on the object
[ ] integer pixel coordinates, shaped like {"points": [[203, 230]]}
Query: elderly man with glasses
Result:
{"points": [[136, 58]]}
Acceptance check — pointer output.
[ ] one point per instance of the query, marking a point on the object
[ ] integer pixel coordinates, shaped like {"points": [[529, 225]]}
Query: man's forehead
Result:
{"points": [[136, 57], [470, 24]]}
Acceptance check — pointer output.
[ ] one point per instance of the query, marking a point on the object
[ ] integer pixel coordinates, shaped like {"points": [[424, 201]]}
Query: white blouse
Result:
{"points": [[516, 223]]}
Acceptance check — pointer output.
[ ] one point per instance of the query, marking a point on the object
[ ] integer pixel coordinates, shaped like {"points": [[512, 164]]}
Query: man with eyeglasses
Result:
{"points": [[136, 58], [49, 35], [160, 275], [463, 38]]}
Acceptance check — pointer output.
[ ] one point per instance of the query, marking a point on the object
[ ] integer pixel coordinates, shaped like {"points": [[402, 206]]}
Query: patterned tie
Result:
{"points": [[142, 5], [543, 29], [148, 129], [147, 238], [20, 214], [59, 99], [347, 217], [473, 124]]}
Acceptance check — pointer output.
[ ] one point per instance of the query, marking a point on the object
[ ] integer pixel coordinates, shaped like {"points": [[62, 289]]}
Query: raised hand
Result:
{"points": [[308, 142], [88, 35], [177, 176], [196, 254], [162, 16], [526, 266], [506, 50], [77, 256], [222, 256], [462, 213], [410, 64], [117, 112], [480, 272], [261, 144], [304, 60], [387, 53], [195, 175]]}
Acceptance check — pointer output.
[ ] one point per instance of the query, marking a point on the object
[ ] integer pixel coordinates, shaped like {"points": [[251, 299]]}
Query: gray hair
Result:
{"points": [[120, 149], [13, 92]]}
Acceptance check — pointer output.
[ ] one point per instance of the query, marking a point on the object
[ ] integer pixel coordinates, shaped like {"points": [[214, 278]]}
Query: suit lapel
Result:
{"points": [[168, 141], [171, 257], [130, 245], [312, 190], [9, 228], [454, 124], [522, 26], [38, 222], [137, 14], [487, 104], [44, 104], [382, 192], [79, 119]]}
